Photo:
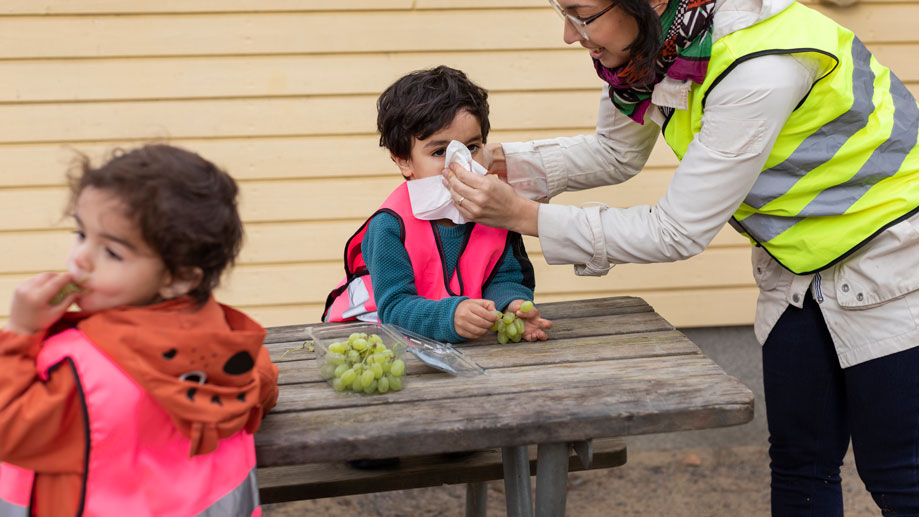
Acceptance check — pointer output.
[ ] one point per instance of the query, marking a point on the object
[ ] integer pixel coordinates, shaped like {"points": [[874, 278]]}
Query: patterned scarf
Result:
{"points": [[684, 54]]}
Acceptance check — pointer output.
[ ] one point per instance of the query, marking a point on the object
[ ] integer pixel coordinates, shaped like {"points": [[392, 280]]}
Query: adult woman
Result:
{"points": [[788, 129]]}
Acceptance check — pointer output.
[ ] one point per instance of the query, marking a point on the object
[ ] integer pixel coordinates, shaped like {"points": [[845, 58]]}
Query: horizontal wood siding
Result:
{"points": [[281, 93]]}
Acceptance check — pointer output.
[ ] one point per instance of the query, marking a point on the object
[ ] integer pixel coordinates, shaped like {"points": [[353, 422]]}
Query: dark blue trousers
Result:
{"points": [[813, 406]]}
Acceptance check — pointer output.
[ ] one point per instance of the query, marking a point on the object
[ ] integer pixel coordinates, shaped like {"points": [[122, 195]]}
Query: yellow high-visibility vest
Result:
{"points": [[845, 165]]}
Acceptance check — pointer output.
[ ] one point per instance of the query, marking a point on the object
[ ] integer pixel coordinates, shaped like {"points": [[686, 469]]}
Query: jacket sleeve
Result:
{"points": [[41, 422], [515, 279], [744, 114]]}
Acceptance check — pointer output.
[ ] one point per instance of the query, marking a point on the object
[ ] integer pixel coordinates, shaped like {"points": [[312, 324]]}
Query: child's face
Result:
{"points": [[109, 257], [427, 157]]}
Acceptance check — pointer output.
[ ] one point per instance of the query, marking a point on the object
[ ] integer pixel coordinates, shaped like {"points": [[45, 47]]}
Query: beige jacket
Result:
{"points": [[870, 301]]}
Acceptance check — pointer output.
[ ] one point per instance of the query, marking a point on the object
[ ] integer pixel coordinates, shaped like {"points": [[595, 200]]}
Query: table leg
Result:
{"points": [[551, 479], [476, 499], [517, 481]]}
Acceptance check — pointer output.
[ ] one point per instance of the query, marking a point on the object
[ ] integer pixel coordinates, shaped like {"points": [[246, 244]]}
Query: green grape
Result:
{"points": [[398, 368], [501, 325], [348, 376], [521, 326], [357, 385], [502, 338], [335, 359], [379, 358], [511, 330], [366, 378], [339, 385], [360, 344], [494, 328], [370, 388], [338, 348], [516, 338], [341, 369], [355, 336], [375, 339], [383, 384], [327, 371], [387, 366], [377, 370], [508, 317], [354, 356], [526, 306], [395, 383]]}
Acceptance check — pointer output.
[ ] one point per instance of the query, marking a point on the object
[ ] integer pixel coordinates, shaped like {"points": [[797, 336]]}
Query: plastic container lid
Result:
{"points": [[438, 355]]}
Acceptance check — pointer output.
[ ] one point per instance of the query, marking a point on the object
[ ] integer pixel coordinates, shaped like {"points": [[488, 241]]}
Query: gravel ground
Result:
{"points": [[725, 481]]}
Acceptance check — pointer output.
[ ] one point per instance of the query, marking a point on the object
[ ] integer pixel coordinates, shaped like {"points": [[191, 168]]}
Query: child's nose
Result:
{"points": [[82, 258]]}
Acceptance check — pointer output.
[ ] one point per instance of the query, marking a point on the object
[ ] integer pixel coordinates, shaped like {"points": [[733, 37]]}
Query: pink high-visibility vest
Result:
{"points": [[483, 251], [138, 462]]}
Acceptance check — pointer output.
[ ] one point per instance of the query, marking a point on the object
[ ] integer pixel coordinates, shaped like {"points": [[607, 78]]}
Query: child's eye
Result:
{"points": [[80, 235], [473, 148], [439, 152], [112, 254]]}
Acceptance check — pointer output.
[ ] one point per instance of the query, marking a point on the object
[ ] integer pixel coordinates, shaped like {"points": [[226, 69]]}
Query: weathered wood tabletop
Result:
{"points": [[611, 367]]}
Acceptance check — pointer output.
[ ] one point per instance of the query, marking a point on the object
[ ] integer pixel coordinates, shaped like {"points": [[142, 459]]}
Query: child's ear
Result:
{"points": [[405, 165], [181, 283]]}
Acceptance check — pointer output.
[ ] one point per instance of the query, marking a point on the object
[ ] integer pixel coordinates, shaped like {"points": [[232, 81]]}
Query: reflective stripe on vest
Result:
{"points": [[479, 260], [137, 461], [15, 490], [845, 165], [242, 501], [8, 509]]}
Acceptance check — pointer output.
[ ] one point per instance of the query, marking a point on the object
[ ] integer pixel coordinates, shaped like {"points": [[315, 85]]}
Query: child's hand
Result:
{"points": [[473, 317], [533, 323], [31, 310]]}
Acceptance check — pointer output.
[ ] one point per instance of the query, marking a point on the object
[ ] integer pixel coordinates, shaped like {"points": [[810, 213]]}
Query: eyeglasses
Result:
{"points": [[579, 24]]}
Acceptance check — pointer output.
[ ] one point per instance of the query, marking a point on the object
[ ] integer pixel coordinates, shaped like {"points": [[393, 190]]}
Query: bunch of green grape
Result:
{"points": [[362, 364], [509, 327]]}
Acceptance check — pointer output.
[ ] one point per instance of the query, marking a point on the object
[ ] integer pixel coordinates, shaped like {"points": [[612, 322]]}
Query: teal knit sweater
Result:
{"points": [[394, 290]]}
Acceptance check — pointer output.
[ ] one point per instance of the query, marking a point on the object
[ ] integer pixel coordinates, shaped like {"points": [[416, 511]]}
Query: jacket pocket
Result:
{"points": [[767, 272], [887, 268]]}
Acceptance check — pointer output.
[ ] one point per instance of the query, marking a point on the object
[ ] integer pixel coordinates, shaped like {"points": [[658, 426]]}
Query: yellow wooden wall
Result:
{"points": [[281, 93]]}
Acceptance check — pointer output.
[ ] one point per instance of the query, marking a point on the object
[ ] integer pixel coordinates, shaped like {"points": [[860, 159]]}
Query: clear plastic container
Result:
{"points": [[362, 358], [336, 354]]}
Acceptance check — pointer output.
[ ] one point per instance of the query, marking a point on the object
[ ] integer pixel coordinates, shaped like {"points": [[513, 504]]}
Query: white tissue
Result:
{"points": [[430, 198]]}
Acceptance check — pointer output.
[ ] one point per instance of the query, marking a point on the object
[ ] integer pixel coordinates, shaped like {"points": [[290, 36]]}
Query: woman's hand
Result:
{"points": [[534, 325], [31, 309], [493, 160], [488, 200], [473, 317]]}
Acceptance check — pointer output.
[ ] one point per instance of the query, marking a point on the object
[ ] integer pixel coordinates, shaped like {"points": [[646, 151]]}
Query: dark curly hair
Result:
{"points": [[422, 103], [184, 205]]}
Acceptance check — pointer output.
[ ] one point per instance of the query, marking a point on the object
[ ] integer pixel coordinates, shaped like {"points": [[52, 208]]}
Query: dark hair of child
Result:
{"points": [[422, 103], [184, 205]]}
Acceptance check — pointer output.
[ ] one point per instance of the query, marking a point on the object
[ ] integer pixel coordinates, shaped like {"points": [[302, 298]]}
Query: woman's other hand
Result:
{"points": [[493, 160], [488, 200], [473, 317]]}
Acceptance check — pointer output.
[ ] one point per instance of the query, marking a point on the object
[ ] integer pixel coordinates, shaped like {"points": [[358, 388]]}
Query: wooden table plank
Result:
{"points": [[513, 408], [650, 344], [585, 327], [616, 305]]}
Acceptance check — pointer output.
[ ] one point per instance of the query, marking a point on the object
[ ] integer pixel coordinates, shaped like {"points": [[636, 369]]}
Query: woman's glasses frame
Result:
{"points": [[579, 24]]}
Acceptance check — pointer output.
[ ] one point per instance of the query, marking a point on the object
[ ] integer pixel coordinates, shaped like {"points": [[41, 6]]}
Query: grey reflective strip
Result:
{"points": [[884, 162], [823, 144], [8, 509], [241, 502]]}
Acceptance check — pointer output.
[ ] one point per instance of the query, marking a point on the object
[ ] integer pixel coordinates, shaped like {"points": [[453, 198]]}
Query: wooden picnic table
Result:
{"points": [[611, 367]]}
